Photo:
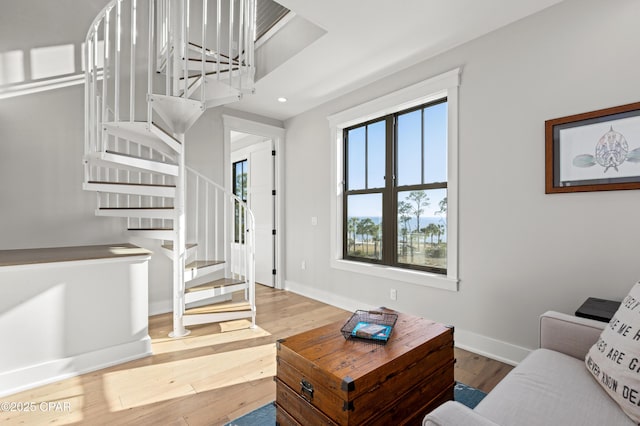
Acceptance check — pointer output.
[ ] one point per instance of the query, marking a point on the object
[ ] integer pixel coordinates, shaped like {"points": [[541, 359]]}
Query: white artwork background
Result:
{"points": [[583, 140]]}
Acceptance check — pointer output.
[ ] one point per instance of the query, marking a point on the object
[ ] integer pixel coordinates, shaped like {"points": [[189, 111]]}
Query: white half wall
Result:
{"points": [[521, 252], [63, 319]]}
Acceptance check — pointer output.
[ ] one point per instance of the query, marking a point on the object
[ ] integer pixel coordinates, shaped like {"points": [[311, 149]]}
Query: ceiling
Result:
{"points": [[366, 40]]}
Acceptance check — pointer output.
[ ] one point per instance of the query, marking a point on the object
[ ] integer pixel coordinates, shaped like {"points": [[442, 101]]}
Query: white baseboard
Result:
{"points": [[58, 369], [487, 346], [326, 297], [491, 348]]}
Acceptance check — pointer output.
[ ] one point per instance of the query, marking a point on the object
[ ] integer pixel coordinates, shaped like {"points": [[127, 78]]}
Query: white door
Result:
{"points": [[260, 199]]}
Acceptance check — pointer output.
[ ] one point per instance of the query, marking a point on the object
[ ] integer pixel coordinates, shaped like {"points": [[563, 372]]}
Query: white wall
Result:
{"points": [[41, 136], [521, 252]]}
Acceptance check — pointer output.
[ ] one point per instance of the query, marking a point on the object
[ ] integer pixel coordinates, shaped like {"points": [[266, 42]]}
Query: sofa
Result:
{"points": [[551, 386]]}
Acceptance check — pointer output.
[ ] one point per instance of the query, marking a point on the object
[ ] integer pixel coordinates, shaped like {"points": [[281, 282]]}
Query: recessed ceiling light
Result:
{"points": [[281, 99]]}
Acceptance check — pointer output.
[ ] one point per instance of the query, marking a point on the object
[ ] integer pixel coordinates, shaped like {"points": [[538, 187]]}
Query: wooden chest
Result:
{"points": [[323, 379]]}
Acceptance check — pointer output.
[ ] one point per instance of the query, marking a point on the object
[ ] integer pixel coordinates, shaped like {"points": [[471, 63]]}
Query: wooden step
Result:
{"points": [[201, 268], [223, 282], [219, 308], [150, 229], [210, 290]]}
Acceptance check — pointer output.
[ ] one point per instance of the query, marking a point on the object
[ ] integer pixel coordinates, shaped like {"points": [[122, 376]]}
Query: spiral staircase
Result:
{"points": [[152, 67]]}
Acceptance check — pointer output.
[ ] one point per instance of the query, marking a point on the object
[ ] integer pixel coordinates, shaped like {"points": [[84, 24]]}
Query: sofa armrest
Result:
{"points": [[453, 413], [569, 334]]}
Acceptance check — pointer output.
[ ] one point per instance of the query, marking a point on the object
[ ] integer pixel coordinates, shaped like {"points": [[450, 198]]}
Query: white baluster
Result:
{"points": [[150, 56], [230, 35], [132, 65], [205, 20], [218, 25]]}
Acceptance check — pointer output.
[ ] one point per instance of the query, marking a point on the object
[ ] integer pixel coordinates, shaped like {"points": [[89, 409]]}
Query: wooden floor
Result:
{"points": [[210, 377]]}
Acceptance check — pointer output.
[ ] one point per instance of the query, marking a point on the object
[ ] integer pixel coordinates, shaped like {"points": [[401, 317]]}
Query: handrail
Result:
{"points": [[247, 264]]}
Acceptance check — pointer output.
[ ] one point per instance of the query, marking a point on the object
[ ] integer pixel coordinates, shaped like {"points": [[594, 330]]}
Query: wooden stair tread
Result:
{"points": [[219, 308], [131, 184], [150, 229], [223, 282], [203, 264], [135, 208], [169, 246]]}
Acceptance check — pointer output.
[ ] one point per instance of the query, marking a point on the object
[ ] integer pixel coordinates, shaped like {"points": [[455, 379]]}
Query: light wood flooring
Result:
{"points": [[214, 375]]}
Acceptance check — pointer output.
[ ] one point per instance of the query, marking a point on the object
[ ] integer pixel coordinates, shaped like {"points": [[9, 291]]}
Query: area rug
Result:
{"points": [[266, 415]]}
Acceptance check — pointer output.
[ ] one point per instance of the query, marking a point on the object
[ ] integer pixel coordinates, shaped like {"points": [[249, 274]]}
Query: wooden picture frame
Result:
{"points": [[593, 151]]}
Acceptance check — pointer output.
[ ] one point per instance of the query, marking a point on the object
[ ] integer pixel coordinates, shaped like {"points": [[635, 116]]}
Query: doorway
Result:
{"points": [[253, 168], [254, 148]]}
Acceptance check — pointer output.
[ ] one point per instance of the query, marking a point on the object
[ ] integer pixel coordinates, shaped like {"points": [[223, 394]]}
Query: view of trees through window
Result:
{"points": [[395, 210], [240, 191]]}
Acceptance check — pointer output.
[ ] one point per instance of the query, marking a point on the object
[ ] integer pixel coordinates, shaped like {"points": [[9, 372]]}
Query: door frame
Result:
{"points": [[277, 135]]}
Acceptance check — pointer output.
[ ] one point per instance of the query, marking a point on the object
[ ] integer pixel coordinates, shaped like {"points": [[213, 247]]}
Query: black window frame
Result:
{"points": [[390, 191], [241, 193]]}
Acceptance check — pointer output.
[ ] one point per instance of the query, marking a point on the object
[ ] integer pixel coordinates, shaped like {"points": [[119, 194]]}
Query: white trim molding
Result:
{"points": [[443, 85], [55, 370], [277, 134]]}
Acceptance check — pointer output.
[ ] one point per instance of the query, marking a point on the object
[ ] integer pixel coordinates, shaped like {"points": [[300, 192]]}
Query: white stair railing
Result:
{"points": [[195, 60], [151, 68], [223, 227]]}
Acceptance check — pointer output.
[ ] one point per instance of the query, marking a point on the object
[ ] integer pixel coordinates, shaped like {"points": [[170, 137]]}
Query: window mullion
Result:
{"points": [[389, 226], [366, 157], [345, 180], [422, 144]]}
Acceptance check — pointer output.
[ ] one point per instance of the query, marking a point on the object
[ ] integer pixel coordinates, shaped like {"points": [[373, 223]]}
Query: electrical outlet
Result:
{"points": [[393, 294], [303, 266]]}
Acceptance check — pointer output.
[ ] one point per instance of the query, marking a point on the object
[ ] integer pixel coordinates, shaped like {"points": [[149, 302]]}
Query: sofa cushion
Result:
{"points": [[614, 360], [550, 388]]}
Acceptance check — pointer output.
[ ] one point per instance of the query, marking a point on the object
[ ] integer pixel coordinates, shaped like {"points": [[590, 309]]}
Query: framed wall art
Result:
{"points": [[594, 151]]}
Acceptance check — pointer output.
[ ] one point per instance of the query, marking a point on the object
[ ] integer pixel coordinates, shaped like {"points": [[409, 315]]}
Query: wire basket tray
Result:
{"points": [[370, 326]]}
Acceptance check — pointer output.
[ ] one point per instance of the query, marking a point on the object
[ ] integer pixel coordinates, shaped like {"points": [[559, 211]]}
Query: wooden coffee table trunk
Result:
{"points": [[324, 379]]}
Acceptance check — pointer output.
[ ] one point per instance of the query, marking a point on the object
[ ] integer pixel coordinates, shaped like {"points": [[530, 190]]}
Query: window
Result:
{"points": [[394, 162], [395, 204], [240, 191]]}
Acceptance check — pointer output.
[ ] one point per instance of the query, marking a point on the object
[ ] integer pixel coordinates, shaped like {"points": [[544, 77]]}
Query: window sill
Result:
{"points": [[426, 279]]}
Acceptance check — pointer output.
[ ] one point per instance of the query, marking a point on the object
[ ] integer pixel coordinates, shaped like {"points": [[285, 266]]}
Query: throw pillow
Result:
{"points": [[614, 360]]}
